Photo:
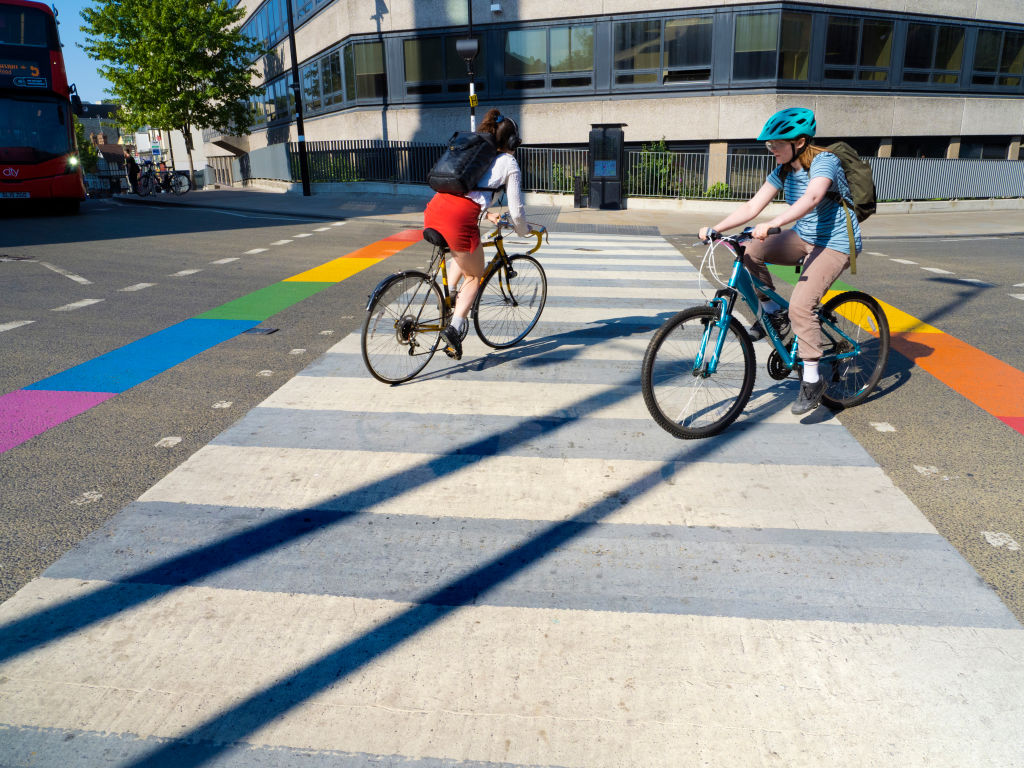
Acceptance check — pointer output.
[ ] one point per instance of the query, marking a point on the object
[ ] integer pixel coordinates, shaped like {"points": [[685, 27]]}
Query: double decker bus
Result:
{"points": [[38, 154]]}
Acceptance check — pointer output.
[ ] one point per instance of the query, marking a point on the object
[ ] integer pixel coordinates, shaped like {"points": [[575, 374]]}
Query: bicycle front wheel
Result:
{"points": [[180, 184], [510, 301], [685, 399], [850, 322], [403, 327]]}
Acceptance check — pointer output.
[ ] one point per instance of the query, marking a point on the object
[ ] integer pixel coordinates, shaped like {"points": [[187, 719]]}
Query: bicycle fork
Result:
{"points": [[724, 301]]}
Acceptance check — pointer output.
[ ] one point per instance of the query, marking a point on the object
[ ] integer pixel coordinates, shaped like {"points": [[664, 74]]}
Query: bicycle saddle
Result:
{"points": [[434, 237]]}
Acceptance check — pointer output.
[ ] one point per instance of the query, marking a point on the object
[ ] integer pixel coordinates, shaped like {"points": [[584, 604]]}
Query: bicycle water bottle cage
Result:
{"points": [[435, 238]]}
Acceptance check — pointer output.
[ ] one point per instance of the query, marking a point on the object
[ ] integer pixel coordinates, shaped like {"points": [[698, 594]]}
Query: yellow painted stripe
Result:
{"points": [[899, 321], [334, 271]]}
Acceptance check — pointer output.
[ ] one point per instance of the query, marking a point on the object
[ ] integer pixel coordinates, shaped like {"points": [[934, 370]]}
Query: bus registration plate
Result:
{"points": [[5, 195]]}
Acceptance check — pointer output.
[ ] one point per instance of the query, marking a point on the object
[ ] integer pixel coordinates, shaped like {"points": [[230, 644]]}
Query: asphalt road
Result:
{"points": [[959, 464], [63, 484]]}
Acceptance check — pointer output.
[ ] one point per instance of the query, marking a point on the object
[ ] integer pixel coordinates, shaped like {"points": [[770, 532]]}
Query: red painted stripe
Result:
{"points": [[1014, 422], [407, 235]]}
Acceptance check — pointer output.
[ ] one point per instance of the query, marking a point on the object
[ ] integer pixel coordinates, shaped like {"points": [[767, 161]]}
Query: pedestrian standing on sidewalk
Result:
{"points": [[132, 170], [812, 179], [457, 219]]}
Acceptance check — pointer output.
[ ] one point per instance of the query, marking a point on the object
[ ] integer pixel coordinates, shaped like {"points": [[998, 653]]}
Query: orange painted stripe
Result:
{"points": [[379, 250], [986, 381]]}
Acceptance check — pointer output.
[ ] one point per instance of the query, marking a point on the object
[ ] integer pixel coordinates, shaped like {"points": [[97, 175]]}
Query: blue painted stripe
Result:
{"points": [[134, 363], [53, 747], [780, 574], [750, 442]]}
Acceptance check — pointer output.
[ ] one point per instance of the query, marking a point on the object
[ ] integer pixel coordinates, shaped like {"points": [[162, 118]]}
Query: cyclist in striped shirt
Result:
{"points": [[813, 179]]}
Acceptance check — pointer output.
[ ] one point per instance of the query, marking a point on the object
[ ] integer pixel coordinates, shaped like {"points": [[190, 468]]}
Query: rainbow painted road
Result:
{"points": [[39, 407], [986, 381]]}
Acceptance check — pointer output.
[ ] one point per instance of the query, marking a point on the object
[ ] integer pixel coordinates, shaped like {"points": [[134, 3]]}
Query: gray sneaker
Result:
{"points": [[780, 322], [809, 397]]}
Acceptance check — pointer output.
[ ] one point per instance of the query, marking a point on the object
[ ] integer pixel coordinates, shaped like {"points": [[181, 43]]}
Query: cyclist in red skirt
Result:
{"points": [[457, 219]]}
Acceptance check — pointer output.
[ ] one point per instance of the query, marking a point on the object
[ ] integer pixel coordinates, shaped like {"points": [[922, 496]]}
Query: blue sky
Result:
{"points": [[81, 69]]}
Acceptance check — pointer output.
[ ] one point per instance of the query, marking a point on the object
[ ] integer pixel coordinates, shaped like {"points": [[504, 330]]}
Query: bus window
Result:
{"points": [[22, 26]]}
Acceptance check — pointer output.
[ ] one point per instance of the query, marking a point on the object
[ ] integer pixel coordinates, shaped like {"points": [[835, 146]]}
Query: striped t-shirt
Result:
{"points": [[825, 225]]}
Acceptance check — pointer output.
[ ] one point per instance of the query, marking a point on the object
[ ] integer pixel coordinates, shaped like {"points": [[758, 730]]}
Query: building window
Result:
{"points": [[306, 8], [269, 24], [364, 71], [999, 58], [858, 49], [654, 52], [934, 54], [432, 66], [772, 45], [310, 75], [559, 57]]}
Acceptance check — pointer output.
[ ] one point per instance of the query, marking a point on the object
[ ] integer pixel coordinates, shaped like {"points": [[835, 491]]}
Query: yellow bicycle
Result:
{"points": [[407, 311]]}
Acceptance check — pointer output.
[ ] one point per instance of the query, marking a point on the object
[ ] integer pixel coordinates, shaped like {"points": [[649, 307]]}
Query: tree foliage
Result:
{"points": [[88, 155], [179, 64]]}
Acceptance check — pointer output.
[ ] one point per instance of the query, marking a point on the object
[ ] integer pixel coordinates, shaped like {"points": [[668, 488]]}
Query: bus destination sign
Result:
{"points": [[22, 74]]}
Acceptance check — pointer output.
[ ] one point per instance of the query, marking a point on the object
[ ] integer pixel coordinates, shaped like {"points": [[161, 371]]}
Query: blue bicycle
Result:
{"points": [[699, 368]]}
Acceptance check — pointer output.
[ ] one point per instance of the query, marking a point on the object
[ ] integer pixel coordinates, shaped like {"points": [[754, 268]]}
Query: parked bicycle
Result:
{"points": [[153, 181], [699, 369], [407, 311]]}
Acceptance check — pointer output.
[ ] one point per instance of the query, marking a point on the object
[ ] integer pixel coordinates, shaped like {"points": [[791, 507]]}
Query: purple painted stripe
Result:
{"points": [[26, 413]]}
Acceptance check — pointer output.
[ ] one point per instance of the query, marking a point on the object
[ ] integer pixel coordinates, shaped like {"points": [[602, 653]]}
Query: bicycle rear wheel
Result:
{"points": [[684, 400], [510, 301], [145, 186], [849, 319], [402, 327], [180, 184]]}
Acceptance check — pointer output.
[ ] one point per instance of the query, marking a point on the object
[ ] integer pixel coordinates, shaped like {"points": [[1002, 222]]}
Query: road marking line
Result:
{"points": [[265, 373], [1018, 296], [338, 224], [304, 234], [167, 442], [69, 275], [185, 273], [14, 324], [297, 352], [223, 404], [76, 305], [1019, 285], [281, 242], [876, 253], [903, 261], [87, 498], [938, 271], [882, 426], [225, 261], [322, 333], [998, 540], [322, 229], [138, 287], [976, 281], [254, 251]]}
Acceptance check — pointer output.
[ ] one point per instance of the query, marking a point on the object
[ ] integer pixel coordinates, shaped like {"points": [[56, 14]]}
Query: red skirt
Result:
{"points": [[455, 217]]}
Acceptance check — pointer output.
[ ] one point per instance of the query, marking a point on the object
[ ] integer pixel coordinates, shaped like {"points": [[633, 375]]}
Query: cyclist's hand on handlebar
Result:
{"points": [[761, 231], [493, 218], [707, 234]]}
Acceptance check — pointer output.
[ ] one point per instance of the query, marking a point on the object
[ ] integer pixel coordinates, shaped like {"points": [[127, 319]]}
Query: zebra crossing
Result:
{"points": [[505, 562]]}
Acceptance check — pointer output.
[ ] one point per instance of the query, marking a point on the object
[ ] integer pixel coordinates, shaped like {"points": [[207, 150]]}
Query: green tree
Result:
{"points": [[87, 153], [178, 64]]}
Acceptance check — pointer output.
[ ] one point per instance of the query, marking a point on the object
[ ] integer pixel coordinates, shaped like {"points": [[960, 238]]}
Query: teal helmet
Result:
{"points": [[789, 123]]}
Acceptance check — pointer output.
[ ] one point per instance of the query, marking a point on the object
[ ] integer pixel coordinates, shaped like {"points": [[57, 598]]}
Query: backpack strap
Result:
{"points": [[849, 232]]}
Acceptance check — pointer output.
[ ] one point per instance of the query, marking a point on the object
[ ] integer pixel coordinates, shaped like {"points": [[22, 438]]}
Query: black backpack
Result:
{"points": [[467, 158]]}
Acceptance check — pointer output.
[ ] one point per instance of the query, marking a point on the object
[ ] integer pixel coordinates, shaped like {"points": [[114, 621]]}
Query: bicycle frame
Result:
{"points": [[744, 285]]}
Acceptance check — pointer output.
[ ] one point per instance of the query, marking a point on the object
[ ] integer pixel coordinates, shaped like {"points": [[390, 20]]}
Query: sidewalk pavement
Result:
{"points": [[958, 219]]}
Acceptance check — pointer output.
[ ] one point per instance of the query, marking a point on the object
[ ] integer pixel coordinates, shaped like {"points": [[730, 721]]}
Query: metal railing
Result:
{"points": [[398, 162], [907, 178], [666, 174], [551, 169]]}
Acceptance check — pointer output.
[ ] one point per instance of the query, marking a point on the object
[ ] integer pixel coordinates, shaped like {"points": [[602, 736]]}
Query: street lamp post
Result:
{"points": [[467, 50], [297, 89]]}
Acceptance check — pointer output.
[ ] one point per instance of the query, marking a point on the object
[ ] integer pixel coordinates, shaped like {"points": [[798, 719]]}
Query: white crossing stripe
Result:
{"points": [[137, 287], [228, 260], [185, 273], [281, 242], [254, 251]]}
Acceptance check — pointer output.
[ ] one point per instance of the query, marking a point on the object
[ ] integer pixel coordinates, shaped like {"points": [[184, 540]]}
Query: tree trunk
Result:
{"points": [[186, 132]]}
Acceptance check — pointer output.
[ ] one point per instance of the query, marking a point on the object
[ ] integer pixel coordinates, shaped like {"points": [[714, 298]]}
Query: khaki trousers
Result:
{"points": [[821, 268]]}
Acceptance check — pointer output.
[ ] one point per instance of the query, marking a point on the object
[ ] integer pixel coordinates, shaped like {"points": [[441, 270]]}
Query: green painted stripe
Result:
{"points": [[790, 275], [261, 304]]}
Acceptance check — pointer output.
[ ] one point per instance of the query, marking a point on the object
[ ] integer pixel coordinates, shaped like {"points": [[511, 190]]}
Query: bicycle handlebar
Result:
{"points": [[536, 230], [742, 237]]}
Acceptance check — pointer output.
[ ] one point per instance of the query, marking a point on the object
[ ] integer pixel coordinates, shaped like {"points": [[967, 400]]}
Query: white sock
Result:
{"points": [[811, 372], [458, 323], [769, 307]]}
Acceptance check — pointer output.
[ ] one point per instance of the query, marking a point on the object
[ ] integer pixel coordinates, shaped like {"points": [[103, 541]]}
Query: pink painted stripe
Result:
{"points": [[26, 413]]}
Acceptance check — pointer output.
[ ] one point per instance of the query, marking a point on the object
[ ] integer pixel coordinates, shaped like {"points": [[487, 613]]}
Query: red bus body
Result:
{"points": [[38, 154]]}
